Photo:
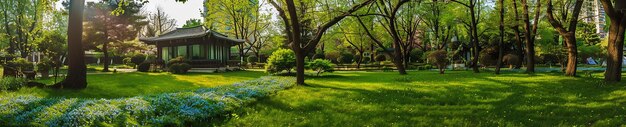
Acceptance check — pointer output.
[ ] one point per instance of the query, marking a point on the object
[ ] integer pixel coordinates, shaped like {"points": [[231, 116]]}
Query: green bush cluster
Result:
{"points": [[12, 83], [252, 59], [281, 60], [380, 58], [144, 67], [178, 65], [320, 66], [192, 108], [345, 58]]}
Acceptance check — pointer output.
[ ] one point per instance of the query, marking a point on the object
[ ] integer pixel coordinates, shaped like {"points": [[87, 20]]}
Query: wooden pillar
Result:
{"points": [[159, 51]]}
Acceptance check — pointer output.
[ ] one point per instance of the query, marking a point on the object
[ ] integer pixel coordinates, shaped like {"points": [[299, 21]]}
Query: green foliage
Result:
{"points": [[595, 51], [128, 61], [367, 59], [488, 56], [144, 67], [439, 58], [332, 55], [511, 59], [320, 66], [179, 68], [138, 58], [12, 83], [178, 65], [192, 23], [45, 64], [345, 58], [319, 56], [380, 58], [281, 60], [20, 64], [252, 59]]}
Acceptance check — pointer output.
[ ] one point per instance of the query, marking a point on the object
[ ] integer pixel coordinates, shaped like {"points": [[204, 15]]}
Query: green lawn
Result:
{"points": [[138, 83], [425, 98]]}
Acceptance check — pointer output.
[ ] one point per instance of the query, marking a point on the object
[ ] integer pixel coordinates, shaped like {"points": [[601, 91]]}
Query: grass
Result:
{"points": [[425, 98], [138, 83]]}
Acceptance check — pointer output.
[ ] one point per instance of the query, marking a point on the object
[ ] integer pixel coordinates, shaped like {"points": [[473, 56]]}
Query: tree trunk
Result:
{"points": [[614, 61], [572, 53], [105, 51], [76, 73], [397, 60], [530, 40], [474, 31], [500, 44], [300, 56]]}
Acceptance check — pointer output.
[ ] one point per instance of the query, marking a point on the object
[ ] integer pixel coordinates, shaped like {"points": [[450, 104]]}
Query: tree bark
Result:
{"points": [[518, 39], [76, 73], [615, 47], [105, 51], [569, 35], [530, 35], [500, 44]]}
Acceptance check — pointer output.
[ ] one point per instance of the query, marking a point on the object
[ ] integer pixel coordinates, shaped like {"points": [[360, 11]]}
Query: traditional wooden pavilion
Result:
{"points": [[202, 47]]}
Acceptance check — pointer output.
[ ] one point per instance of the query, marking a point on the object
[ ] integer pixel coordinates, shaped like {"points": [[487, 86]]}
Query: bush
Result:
{"points": [[179, 68], [319, 56], [366, 59], [332, 55], [12, 83], [138, 58], [511, 59], [128, 61], [168, 109], [144, 67], [178, 65], [440, 59], [281, 60], [358, 58], [345, 58], [252, 59], [44, 66], [320, 66], [488, 57], [380, 58], [179, 59]]}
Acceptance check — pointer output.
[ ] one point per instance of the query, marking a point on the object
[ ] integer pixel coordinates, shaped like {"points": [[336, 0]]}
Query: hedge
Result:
{"points": [[168, 109]]}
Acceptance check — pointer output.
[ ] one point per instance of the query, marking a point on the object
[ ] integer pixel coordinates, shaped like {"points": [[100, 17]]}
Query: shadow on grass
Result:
{"points": [[465, 99]]}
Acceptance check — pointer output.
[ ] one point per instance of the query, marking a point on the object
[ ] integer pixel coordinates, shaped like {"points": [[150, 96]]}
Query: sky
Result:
{"points": [[176, 10]]}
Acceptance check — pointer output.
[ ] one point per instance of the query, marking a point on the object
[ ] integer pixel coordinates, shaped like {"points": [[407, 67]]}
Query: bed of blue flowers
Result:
{"points": [[168, 109]]}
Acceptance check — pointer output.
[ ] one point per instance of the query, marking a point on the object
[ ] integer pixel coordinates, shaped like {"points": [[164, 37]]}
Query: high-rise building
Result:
{"points": [[593, 13]]}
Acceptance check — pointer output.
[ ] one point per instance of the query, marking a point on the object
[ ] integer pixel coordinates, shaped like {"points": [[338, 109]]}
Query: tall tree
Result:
{"points": [[530, 33], [501, 41], [616, 11], [159, 23], [472, 6], [519, 48], [399, 23], [569, 33], [238, 18], [292, 22], [77, 70], [103, 28]]}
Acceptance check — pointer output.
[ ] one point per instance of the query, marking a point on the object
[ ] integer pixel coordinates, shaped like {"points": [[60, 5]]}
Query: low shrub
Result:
{"points": [[440, 59], [345, 58], [138, 59], [320, 66], [252, 59], [144, 67], [128, 61], [319, 56], [380, 58], [12, 83], [366, 59], [179, 68], [281, 60], [169, 109], [511, 60]]}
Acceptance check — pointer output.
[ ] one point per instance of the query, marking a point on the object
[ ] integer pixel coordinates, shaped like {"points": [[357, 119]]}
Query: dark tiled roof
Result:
{"points": [[186, 33]]}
